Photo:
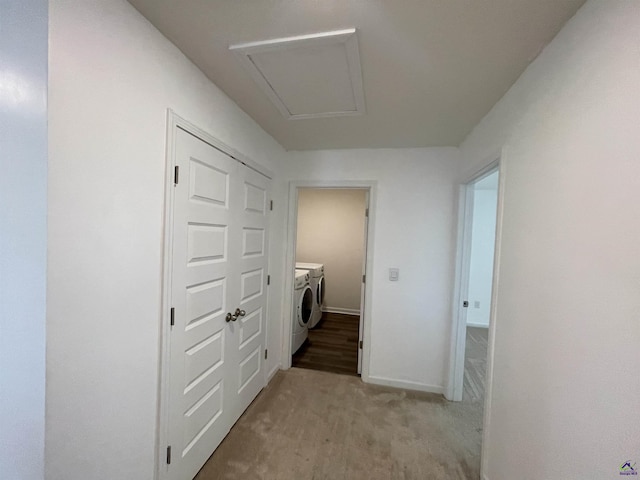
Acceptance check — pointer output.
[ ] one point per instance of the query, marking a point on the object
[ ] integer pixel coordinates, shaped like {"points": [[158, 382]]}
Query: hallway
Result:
{"points": [[315, 425]]}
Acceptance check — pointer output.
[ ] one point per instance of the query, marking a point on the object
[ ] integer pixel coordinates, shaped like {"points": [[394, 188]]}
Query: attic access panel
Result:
{"points": [[308, 76]]}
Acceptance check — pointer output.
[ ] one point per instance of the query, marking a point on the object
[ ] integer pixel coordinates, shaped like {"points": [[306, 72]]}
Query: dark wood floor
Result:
{"points": [[332, 345], [475, 364]]}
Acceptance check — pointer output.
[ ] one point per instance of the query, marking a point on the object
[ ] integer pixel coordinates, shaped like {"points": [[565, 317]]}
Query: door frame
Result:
{"points": [[363, 293], [497, 162], [175, 122], [455, 379], [369, 186]]}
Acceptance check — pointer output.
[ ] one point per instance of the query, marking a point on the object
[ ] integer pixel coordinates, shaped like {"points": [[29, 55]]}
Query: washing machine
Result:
{"points": [[302, 309], [316, 282]]}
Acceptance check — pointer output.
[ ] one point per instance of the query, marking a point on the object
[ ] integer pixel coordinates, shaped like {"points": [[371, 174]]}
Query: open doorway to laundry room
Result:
{"points": [[330, 254]]}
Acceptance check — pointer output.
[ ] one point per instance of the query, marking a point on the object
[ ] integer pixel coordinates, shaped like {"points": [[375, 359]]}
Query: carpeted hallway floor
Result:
{"points": [[311, 425]]}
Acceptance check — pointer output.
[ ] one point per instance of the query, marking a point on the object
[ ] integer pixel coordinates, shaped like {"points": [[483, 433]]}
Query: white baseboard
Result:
{"points": [[272, 373], [477, 325], [343, 311], [406, 384]]}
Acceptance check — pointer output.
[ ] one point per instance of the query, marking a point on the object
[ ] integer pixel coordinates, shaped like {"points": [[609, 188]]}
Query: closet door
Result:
{"points": [[203, 278], [247, 342], [218, 294]]}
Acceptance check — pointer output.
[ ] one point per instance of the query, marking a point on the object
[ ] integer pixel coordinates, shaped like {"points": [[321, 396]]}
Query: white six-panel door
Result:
{"points": [[247, 346], [219, 264]]}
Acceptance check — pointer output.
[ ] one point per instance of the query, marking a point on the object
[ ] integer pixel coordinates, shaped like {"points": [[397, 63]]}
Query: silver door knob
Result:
{"points": [[240, 313], [230, 318]]}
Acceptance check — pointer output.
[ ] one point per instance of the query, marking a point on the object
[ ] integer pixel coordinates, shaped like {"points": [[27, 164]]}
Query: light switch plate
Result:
{"points": [[394, 274]]}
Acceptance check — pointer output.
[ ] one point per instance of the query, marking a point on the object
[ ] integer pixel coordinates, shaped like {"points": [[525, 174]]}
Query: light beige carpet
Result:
{"points": [[311, 425]]}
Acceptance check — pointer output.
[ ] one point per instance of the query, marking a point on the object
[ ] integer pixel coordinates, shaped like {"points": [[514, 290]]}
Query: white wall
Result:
{"points": [[565, 372], [413, 230], [483, 240], [566, 330], [331, 225], [23, 235], [112, 77]]}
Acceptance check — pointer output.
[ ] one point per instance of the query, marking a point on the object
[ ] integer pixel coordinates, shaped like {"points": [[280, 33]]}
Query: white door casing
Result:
{"points": [[455, 377], [290, 260], [218, 265], [362, 287]]}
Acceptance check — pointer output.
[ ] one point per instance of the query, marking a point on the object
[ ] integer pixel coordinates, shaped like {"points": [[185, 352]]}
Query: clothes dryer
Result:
{"points": [[302, 309], [316, 282]]}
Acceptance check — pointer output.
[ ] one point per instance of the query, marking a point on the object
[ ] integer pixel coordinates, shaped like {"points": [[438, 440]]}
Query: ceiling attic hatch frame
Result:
{"points": [[308, 76]]}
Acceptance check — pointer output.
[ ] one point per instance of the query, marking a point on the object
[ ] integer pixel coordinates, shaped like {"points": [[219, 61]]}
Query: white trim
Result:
{"points": [[175, 122], [162, 424], [455, 377], [453, 390], [218, 144], [488, 394], [363, 286], [312, 39], [287, 299], [348, 37], [343, 311], [406, 384], [477, 325]]}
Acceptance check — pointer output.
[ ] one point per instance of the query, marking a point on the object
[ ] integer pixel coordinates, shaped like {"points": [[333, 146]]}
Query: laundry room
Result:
{"points": [[330, 266]]}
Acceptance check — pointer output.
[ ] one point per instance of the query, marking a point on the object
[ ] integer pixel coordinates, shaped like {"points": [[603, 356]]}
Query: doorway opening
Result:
{"points": [[469, 381], [483, 239], [474, 287], [330, 263]]}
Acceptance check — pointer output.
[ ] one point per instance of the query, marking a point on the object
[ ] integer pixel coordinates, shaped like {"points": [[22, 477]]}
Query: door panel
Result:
{"points": [[250, 326], [201, 252], [255, 198], [208, 183], [249, 369], [204, 300], [249, 343], [251, 284], [207, 243], [253, 242]]}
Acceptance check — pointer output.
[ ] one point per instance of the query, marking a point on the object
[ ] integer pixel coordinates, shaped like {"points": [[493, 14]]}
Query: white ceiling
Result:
{"points": [[431, 69]]}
